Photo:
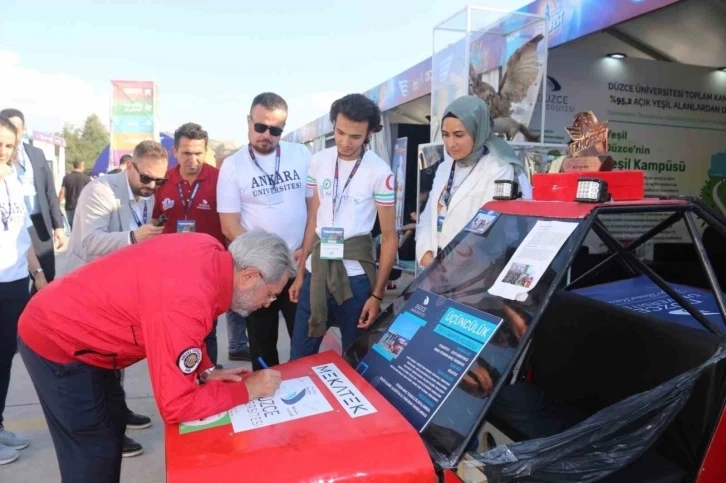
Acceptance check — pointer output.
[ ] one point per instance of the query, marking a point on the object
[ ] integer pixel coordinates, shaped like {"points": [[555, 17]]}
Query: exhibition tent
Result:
{"points": [[690, 32], [664, 96], [676, 31]]}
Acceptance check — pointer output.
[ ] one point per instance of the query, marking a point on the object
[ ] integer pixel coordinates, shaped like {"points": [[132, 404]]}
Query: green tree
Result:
{"points": [[84, 144]]}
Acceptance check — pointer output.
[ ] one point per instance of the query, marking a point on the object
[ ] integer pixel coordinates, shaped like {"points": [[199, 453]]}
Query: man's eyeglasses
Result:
{"points": [[146, 179], [260, 128], [269, 292]]}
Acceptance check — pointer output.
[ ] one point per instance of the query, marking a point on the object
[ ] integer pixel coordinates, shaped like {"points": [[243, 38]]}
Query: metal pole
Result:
{"points": [[646, 270], [706, 264], [656, 230]]}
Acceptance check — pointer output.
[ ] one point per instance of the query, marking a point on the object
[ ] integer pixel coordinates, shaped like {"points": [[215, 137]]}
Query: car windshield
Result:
{"points": [[463, 274]]}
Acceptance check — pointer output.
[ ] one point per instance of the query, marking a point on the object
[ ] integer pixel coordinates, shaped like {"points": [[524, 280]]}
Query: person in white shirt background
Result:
{"points": [[467, 181], [348, 186], [262, 186], [17, 260], [34, 173]]}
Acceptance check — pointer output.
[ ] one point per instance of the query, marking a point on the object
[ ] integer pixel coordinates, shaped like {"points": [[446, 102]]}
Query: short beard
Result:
{"points": [[241, 301], [264, 151], [136, 191]]}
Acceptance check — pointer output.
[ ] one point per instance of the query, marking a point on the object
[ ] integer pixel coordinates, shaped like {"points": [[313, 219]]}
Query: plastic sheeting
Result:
{"points": [[602, 444]]}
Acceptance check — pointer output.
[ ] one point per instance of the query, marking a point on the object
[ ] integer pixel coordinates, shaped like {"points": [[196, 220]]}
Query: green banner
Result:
{"points": [[126, 107], [215, 421]]}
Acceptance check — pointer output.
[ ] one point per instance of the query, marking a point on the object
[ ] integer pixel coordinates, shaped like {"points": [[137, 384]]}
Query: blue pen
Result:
{"points": [[262, 362]]}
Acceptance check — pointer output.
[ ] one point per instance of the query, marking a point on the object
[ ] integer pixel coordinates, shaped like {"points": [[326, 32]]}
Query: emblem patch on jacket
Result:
{"points": [[189, 360], [167, 204]]}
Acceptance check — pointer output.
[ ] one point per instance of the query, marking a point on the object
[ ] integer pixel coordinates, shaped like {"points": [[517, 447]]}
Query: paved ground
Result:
{"points": [[37, 463]]}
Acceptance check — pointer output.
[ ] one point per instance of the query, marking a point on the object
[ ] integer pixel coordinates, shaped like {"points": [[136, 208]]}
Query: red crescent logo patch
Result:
{"points": [[389, 182]]}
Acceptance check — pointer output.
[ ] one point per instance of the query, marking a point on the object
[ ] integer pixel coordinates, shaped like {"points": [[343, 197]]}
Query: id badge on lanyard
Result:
{"points": [[440, 229], [186, 225], [332, 243], [274, 197], [332, 238]]}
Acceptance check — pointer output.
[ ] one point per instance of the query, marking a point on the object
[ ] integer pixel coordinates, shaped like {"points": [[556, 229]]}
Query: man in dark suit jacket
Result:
{"points": [[123, 163], [48, 231]]}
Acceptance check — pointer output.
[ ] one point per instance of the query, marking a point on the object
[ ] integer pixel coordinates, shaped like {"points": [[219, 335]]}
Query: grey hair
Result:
{"points": [[265, 252]]}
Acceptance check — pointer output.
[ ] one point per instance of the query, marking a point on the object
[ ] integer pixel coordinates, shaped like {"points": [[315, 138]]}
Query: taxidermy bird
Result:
{"points": [[521, 72]]}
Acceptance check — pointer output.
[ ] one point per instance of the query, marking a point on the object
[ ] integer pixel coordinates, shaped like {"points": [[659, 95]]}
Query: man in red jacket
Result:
{"points": [[79, 331]]}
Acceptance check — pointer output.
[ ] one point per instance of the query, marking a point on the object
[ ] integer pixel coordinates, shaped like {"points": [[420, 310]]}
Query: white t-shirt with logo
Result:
{"points": [[370, 187], [15, 241], [246, 189]]}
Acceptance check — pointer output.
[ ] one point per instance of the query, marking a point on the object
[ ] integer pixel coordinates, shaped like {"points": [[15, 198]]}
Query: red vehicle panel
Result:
{"points": [[333, 446]]}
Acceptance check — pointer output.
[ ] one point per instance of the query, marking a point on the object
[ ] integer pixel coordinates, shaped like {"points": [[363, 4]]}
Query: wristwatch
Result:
{"points": [[204, 375], [37, 271]]}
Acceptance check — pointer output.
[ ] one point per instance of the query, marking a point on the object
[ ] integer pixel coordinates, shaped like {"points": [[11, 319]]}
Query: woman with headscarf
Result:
{"points": [[464, 183]]}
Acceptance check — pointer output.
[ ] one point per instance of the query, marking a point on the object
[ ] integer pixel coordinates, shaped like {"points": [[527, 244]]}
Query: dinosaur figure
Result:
{"points": [[521, 71]]}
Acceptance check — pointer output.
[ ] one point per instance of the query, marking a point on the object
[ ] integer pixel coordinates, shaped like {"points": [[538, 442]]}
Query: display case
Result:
{"points": [[498, 55]]}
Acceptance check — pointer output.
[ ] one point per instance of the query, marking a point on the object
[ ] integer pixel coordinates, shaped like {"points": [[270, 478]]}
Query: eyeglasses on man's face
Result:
{"points": [[270, 295]]}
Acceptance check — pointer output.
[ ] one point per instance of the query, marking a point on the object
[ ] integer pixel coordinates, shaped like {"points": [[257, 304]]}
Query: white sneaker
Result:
{"points": [[7, 455], [12, 440]]}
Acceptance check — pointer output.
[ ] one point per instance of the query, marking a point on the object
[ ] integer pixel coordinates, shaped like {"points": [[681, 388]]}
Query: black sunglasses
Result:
{"points": [[146, 179], [274, 130]]}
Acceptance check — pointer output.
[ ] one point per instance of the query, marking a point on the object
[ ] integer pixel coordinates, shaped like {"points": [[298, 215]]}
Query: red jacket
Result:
{"points": [[158, 300]]}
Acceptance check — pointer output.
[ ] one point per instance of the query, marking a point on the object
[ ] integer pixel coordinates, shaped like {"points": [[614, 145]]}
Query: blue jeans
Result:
{"points": [[69, 217], [346, 315], [236, 332]]}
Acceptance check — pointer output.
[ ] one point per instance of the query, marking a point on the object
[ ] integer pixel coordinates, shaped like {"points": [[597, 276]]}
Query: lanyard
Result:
{"points": [[345, 186], [21, 155], [136, 216], [188, 203], [277, 164], [446, 195], [6, 216]]}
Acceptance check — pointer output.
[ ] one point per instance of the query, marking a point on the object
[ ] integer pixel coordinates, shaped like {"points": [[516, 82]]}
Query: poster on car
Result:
{"points": [[423, 356]]}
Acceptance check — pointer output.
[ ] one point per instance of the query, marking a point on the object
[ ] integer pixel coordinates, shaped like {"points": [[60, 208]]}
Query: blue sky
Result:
{"points": [[208, 58]]}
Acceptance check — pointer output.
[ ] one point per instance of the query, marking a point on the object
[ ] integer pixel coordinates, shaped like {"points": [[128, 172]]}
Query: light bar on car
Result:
{"points": [[505, 189], [592, 190]]}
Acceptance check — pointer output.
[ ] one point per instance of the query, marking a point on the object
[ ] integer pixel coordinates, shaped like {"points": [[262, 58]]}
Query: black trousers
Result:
{"points": [[42, 241], [211, 342], [85, 409], [13, 299], [262, 328]]}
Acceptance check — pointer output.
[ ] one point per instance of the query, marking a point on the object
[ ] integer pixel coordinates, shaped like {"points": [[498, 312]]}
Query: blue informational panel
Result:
{"points": [[424, 354], [642, 295]]}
